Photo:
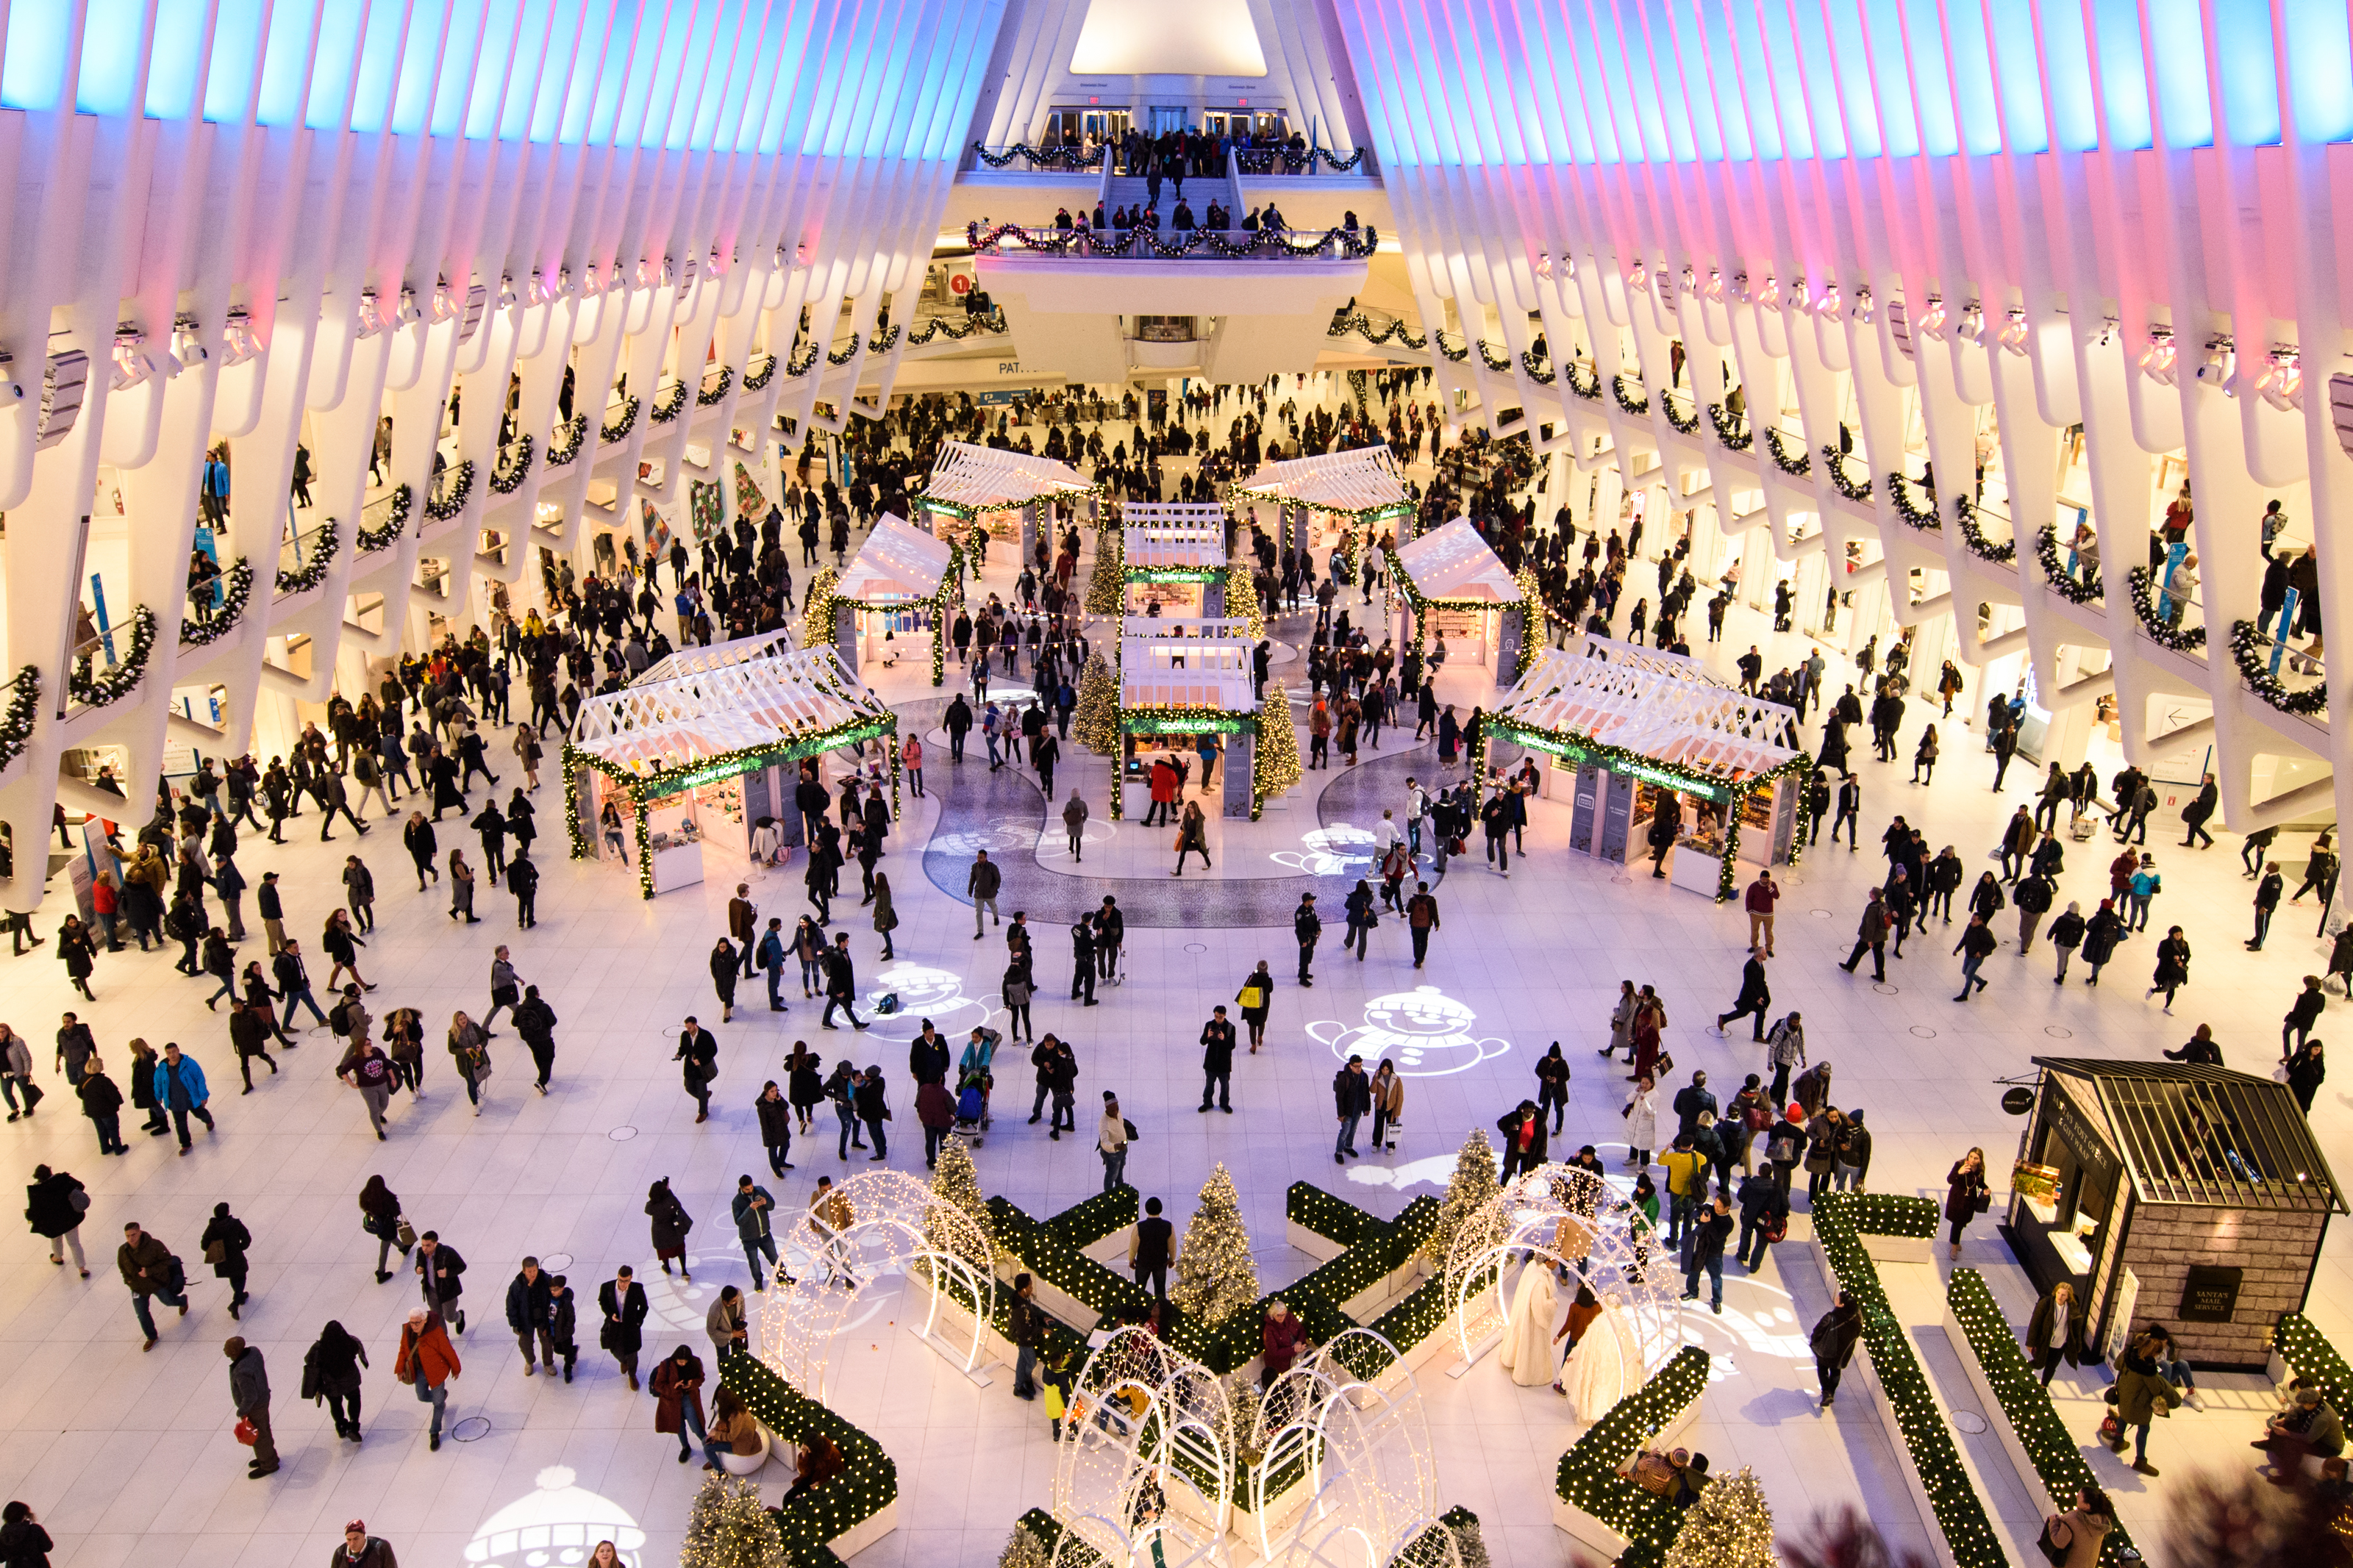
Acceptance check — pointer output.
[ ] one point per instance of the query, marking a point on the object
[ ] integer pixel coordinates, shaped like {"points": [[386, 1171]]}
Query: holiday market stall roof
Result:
{"points": [[1172, 538], [1453, 563], [1160, 670], [967, 478], [1657, 661], [899, 563], [688, 661], [2206, 1136], [1582, 697], [669, 729], [1361, 480]]}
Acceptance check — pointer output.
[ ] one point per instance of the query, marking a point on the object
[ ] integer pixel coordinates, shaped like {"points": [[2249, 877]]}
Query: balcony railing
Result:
{"points": [[1042, 160], [107, 666], [305, 554], [2169, 613], [1171, 245], [2292, 680]]}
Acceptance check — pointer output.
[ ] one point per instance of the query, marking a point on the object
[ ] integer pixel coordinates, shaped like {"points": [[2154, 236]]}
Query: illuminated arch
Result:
{"points": [[1147, 1472], [1345, 1478], [1573, 1218]]}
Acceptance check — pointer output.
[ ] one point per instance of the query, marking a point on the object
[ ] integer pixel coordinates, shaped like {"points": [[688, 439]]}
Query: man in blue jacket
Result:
{"points": [[179, 1089]]}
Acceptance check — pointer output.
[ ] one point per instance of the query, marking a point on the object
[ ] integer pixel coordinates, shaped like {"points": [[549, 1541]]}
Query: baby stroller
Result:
{"points": [[972, 1108]]}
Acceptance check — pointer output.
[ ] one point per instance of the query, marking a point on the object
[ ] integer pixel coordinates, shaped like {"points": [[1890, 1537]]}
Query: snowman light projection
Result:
{"points": [[1424, 1031], [556, 1526], [1341, 850], [923, 993]]}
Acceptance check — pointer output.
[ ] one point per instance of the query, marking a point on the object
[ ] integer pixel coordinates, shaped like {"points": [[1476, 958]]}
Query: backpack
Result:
{"points": [[1782, 1149], [1777, 1227]]}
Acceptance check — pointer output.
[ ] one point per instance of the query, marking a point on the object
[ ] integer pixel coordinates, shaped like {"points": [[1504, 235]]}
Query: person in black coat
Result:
{"points": [[23, 1543], [225, 1242], [1755, 996], [868, 1102], [1833, 1341], [700, 1054], [331, 1373], [1217, 1061], [2194, 817], [562, 1324], [1524, 1139], [622, 1305], [535, 1021], [775, 1114], [530, 1313], [522, 881]]}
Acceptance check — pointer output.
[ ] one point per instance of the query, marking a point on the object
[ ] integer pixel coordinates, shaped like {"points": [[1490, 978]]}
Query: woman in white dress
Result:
{"points": [[1605, 1367], [1526, 1351]]}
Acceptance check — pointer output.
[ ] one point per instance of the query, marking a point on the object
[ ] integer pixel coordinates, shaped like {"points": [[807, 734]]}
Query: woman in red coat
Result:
{"points": [[676, 1386]]}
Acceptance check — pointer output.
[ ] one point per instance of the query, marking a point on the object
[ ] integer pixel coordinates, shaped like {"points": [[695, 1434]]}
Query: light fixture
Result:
{"points": [[2014, 333], [1971, 327], [445, 307], [506, 292], [1770, 297], [2282, 381], [1638, 279], [132, 363], [1830, 306], [1714, 288], [1691, 282], [1544, 263], [2157, 360], [1932, 320], [1740, 287], [10, 390], [187, 346], [2220, 369], [408, 314], [237, 343], [371, 321], [1863, 309]]}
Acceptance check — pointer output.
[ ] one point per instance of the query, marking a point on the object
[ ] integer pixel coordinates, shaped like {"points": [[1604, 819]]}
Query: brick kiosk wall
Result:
{"points": [[2275, 1249]]}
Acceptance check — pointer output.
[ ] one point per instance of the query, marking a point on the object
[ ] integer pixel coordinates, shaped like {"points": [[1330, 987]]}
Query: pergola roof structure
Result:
{"points": [[689, 661], [648, 729], [1203, 669], [1174, 626], [1701, 729], [1658, 661], [1172, 538], [1361, 479], [990, 479], [899, 563], [1454, 562]]}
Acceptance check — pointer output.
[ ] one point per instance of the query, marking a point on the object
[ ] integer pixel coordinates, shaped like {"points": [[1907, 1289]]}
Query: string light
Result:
{"points": [[2311, 1357], [237, 588], [96, 690], [1214, 1277], [1729, 1527], [867, 1484], [23, 710], [1588, 1478]]}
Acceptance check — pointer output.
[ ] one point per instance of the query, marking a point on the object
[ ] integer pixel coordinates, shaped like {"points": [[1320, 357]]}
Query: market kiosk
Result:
{"points": [[674, 754], [1172, 560], [1632, 737], [902, 583], [1335, 500], [1009, 495], [2190, 1195], [1452, 586], [1179, 680]]}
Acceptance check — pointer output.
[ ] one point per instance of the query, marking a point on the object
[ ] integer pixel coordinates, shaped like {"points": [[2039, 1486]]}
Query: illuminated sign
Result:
{"points": [[1175, 573], [729, 767], [1140, 724]]}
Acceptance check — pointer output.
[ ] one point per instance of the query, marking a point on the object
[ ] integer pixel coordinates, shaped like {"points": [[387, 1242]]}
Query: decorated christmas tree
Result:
{"points": [[1468, 1192], [1098, 711], [817, 610], [1241, 595], [1729, 1527], [956, 1184], [729, 1529], [1024, 1549], [1107, 588], [1278, 749], [1215, 1276]]}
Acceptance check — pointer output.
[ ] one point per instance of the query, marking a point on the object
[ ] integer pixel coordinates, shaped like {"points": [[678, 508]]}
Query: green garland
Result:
{"points": [[576, 432], [1584, 379], [1833, 460], [1588, 1478], [238, 588], [2309, 1355], [442, 508], [2153, 625], [1920, 1421], [506, 481], [757, 379], [322, 557], [2054, 571], [2249, 647], [1531, 618], [1531, 607], [23, 710], [1972, 535], [97, 690], [1357, 321], [1798, 466], [2025, 1403], [869, 1481], [1625, 400], [371, 540], [1899, 496], [670, 405], [610, 434], [1687, 423], [1732, 430], [710, 398]]}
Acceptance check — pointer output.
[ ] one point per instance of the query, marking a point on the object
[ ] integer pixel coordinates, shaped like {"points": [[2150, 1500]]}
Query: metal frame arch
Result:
{"points": [[1526, 1217], [1370, 1476], [1152, 1485], [896, 1220]]}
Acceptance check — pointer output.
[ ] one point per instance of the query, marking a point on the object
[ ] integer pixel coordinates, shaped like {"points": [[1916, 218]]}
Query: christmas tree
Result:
{"points": [[817, 610], [1468, 1192], [1215, 1276], [1241, 595], [955, 1184], [729, 1529], [1098, 711], [1107, 589], [1729, 1527], [1277, 764], [1024, 1550]]}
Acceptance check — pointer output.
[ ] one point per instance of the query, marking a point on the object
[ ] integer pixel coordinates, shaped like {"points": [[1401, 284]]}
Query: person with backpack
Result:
{"points": [[54, 1205], [535, 1021], [1764, 1219], [1785, 1144]]}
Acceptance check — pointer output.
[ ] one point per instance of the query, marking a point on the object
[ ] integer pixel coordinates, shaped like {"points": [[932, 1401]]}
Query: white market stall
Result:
{"points": [[1632, 729], [1452, 586], [1181, 679], [671, 754], [1173, 557], [1334, 500], [1008, 494], [901, 582]]}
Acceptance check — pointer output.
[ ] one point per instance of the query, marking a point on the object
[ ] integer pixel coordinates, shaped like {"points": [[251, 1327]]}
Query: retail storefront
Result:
{"points": [[1173, 561], [687, 762], [1008, 497], [903, 584], [1452, 586], [1636, 735], [2192, 1197]]}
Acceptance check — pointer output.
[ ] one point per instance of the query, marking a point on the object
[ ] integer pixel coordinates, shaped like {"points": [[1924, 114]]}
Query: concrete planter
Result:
{"points": [[1898, 1248], [1996, 1415], [1591, 1533]]}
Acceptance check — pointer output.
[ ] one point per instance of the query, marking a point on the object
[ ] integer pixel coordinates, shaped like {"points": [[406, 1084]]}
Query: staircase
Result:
{"points": [[1130, 191]]}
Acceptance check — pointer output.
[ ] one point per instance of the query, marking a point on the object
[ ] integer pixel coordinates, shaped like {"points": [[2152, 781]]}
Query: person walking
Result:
{"points": [[1075, 824], [293, 977], [2101, 934], [1114, 1133], [698, 1050], [17, 1080], [179, 1089], [1764, 1218], [2142, 1394], [840, 984], [506, 988], [1835, 1334], [248, 1393], [1966, 1195], [886, 921], [535, 1021], [1217, 1061], [101, 1102], [871, 1102], [1192, 837], [2267, 898], [1352, 1100], [1755, 996], [225, 1242], [2055, 1329], [1763, 894], [426, 1361], [380, 1211], [1552, 1087], [776, 1117], [54, 1205], [331, 1375], [149, 1270], [470, 1048], [530, 1316], [669, 1222], [980, 885], [1870, 936], [441, 1273], [622, 1304], [1421, 918], [2305, 1072], [676, 1386], [2066, 935], [2172, 971], [1703, 1249], [755, 1209], [1977, 945], [1255, 998], [1306, 926]]}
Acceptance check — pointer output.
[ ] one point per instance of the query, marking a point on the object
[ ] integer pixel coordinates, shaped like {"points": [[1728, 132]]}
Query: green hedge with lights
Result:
{"points": [[1891, 1214], [1588, 1478], [1082, 1225], [1377, 1248], [1044, 1250], [2058, 1459], [868, 1483], [1960, 1512], [2311, 1357]]}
